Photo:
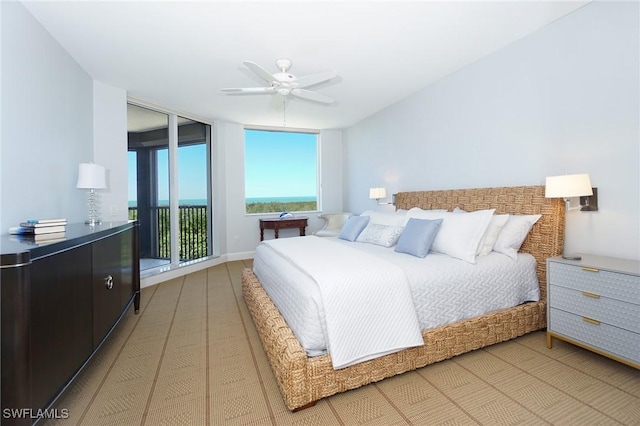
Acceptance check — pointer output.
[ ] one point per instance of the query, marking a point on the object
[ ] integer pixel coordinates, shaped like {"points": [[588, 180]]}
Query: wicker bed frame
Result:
{"points": [[304, 380]]}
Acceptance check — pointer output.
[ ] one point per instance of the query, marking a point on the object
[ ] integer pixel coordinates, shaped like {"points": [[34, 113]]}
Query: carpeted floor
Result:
{"points": [[192, 357]]}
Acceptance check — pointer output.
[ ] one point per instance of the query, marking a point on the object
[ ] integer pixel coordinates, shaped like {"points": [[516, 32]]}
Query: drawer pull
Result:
{"points": [[591, 321], [593, 295], [108, 282], [584, 268]]}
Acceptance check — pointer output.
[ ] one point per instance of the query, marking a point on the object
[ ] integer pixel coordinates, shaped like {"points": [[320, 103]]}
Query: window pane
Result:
{"points": [[148, 183], [193, 143], [281, 171]]}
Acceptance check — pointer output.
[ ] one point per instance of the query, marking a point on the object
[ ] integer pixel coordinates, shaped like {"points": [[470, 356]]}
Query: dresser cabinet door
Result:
{"points": [[60, 308], [15, 357], [112, 281]]}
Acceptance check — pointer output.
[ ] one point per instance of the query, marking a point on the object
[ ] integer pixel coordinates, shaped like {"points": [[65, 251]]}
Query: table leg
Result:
{"points": [[302, 231], [275, 231], [261, 234]]}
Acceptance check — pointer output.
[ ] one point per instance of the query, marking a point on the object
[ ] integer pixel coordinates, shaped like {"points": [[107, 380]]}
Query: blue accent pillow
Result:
{"points": [[417, 237], [353, 227]]}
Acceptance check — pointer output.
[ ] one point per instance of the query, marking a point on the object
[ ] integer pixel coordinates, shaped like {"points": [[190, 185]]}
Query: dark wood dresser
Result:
{"points": [[59, 303]]}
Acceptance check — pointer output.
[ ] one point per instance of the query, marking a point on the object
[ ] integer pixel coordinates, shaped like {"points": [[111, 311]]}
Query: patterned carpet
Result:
{"points": [[192, 357]]}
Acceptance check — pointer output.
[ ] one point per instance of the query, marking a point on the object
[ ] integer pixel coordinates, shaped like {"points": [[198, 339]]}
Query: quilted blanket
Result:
{"points": [[369, 311]]}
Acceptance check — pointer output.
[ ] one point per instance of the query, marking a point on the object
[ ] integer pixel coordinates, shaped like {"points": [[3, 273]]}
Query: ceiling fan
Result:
{"points": [[284, 83]]}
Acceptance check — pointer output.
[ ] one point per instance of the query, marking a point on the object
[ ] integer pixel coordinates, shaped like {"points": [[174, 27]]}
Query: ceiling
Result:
{"points": [[180, 54]]}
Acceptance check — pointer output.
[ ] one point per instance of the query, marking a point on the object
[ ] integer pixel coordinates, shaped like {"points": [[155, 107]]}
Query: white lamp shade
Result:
{"points": [[377, 193], [91, 176], [568, 186]]}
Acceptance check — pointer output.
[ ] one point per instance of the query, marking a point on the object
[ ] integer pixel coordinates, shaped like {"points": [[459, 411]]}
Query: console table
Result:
{"points": [[60, 301], [280, 223]]}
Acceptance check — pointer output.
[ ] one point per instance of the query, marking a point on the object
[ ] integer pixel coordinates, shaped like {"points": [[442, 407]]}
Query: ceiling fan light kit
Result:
{"points": [[283, 83]]}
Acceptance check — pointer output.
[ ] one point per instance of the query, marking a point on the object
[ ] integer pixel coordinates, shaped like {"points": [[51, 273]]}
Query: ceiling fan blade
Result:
{"points": [[264, 74], [310, 80], [312, 96], [250, 90]]}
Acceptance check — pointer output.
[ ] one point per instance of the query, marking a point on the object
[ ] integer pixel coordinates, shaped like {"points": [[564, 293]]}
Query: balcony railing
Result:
{"points": [[192, 233]]}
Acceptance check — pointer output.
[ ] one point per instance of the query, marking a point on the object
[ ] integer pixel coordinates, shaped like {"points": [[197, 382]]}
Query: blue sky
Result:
{"points": [[192, 170], [280, 164], [277, 164]]}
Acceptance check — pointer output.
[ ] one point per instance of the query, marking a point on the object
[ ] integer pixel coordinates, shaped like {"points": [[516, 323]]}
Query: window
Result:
{"points": [[281, 171]]}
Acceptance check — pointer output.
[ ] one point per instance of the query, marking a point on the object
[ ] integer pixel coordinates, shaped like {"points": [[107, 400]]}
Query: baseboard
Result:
{"points": [[169, 272]]}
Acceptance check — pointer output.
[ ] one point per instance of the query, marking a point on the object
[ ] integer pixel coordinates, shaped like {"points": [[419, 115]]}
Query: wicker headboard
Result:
{"points": [[546, 239]]}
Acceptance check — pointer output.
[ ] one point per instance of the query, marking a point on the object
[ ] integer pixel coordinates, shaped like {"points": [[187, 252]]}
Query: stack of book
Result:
{"points": [[43, 229]]}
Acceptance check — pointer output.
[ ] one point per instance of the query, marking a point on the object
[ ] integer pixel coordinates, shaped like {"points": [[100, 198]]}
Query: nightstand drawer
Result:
{"points": [[613, 285], [606, 337], [613, 312]]}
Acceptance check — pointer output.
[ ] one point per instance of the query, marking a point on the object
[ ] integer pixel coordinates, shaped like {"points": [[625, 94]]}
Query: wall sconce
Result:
{"points": [[568, 186], [91, 176], [589, 203], [377, 194]]}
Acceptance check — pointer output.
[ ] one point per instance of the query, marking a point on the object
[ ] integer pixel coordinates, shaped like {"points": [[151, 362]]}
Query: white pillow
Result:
{"points": [[491, 234], [387, 219], [381, 235], [418, 213], [498, 221], [460, 234], [514, 233]]}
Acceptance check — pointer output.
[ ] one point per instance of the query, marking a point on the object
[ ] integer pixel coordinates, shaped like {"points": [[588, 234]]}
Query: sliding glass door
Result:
{"points": [[169, 186]]}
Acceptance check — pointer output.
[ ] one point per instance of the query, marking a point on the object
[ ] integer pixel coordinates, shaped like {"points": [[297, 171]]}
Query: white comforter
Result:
{"points": [[444, 289], [367, 302]]}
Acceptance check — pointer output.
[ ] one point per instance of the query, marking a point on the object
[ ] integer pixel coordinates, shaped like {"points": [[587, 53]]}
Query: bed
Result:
{"points": [[305, 379]]}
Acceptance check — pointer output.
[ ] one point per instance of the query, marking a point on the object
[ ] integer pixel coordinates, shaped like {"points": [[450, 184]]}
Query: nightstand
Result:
{"points": [[594, 303]]}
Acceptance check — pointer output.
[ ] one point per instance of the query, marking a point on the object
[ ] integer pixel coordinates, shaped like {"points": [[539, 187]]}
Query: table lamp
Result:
{"points": [[91, 176]]}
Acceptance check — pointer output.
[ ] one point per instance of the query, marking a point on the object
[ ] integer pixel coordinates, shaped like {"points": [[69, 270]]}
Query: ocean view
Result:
{"points": [[203, 202], [185, 202], [280, 199]]}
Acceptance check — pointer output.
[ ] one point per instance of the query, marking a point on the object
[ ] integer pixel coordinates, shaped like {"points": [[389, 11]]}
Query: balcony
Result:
{"points": [[193, 233]]}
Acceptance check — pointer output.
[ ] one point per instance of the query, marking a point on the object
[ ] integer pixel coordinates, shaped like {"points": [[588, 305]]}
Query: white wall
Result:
{"points": [[47, 117], [110, 148], [562, 100], [331, 172]]}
